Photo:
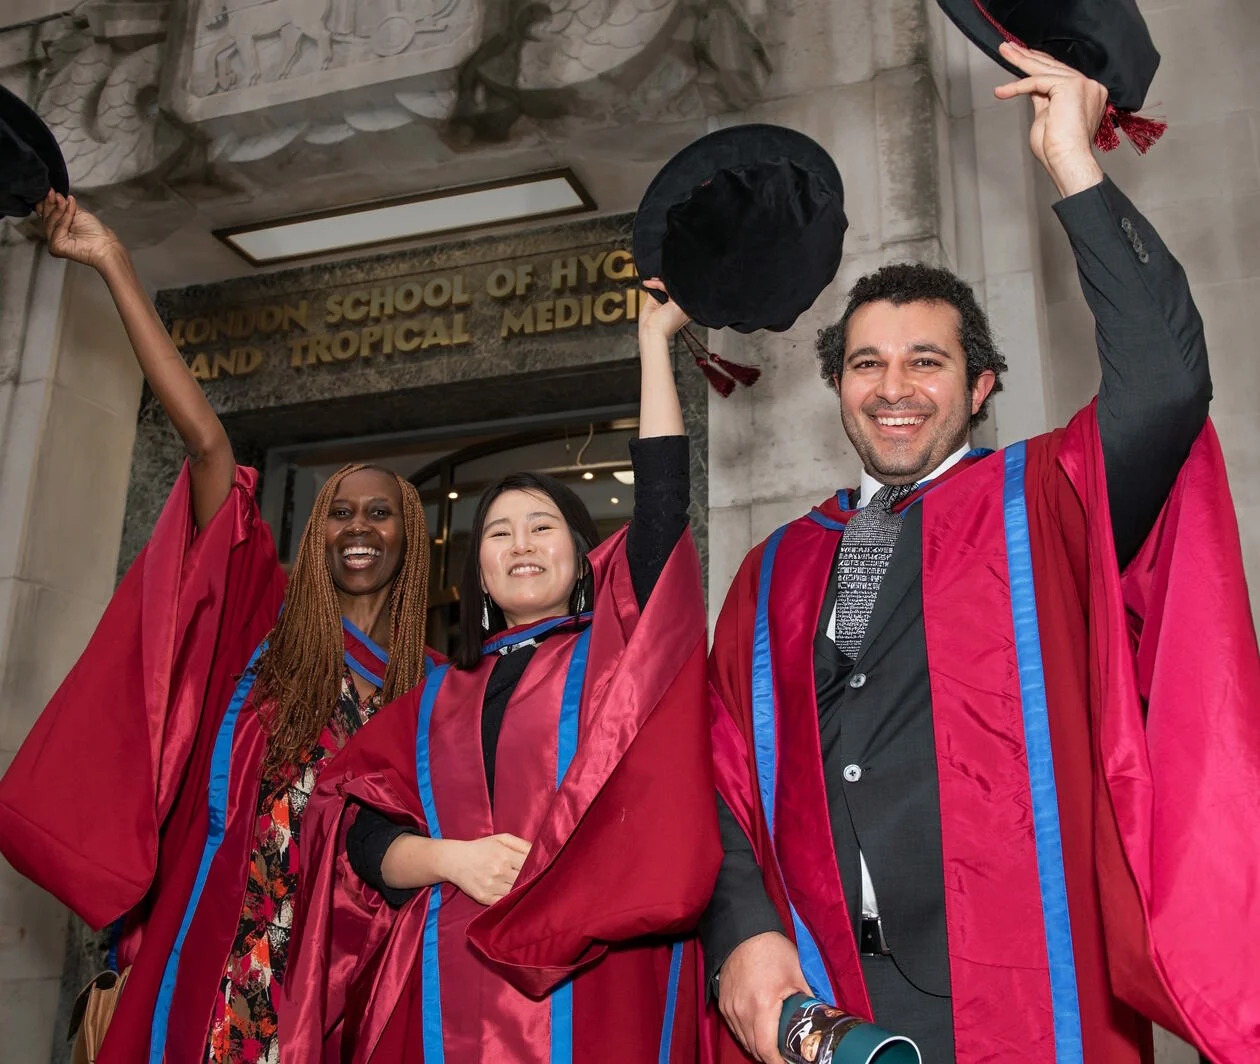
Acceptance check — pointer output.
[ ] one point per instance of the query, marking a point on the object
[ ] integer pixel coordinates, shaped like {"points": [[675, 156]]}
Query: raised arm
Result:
{"points": [[1155, 389], [75, 234], [659, 411], [661, 456]]}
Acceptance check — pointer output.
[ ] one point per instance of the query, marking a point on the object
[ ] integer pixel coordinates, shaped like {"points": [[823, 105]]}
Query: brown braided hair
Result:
{"points": [[300, 672]]}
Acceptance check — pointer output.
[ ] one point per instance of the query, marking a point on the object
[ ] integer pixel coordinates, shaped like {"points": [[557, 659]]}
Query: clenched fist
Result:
{"points": [[486, 869]]}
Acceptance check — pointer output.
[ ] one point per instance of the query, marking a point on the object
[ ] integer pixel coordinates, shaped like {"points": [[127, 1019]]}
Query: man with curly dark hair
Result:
{"points": [[968, 673], [917, 282]]}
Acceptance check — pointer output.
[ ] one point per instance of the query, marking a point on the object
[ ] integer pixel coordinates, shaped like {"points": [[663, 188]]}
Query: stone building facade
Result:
{"points": [[180, 117]]}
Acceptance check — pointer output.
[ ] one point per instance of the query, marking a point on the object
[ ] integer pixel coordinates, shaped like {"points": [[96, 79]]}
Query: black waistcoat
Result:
{"points": [[879, 760]]}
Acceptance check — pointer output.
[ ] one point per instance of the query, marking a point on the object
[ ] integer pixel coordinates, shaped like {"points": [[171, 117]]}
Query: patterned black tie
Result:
{"points": [[867, 547]]}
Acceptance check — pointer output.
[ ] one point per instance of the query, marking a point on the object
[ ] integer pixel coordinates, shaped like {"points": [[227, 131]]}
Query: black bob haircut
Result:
{"points": [[914, 282], [471, 597]]}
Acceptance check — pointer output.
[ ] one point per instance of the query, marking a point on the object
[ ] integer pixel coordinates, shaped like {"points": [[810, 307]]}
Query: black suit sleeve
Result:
{"points": [[366, 842], [662, 492], [740, 907], [1153, 399]]}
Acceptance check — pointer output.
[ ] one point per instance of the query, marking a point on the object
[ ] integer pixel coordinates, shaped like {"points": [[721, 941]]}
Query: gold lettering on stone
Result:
{"points": [[355, 306], [619, 266], [437, 293], [270, 318], [591, 264], [382, 302], [345, 345], [542, 316], [459, 331], [516, 322], [437, 334], [407, 336], [369, 336], [564, 273], [294, 316], [568, 312], [408, 297], [608, 307], [501, 283], [319, 349], [245, 360]]}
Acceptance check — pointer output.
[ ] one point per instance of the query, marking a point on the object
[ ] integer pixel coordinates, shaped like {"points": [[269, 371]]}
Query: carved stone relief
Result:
{"points": [[243, 55], [475, 65], [100, 94], [162, 106]]}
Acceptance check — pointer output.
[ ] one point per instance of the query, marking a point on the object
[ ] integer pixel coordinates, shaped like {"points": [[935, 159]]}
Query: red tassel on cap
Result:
{"points": [[1141, 131], [722, 384], [1107, 139], [746, 375], [712, 367]]}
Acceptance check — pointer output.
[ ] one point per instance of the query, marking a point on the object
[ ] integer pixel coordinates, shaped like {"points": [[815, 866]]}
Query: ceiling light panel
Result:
{"points": [[453, 210]]}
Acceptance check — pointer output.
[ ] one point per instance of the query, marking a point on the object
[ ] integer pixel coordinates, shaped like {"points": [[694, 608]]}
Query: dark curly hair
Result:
{"points": [[913, 282]]}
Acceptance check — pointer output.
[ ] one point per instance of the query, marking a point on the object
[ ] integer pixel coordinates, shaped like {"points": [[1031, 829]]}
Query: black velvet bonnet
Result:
{"points": [[744, 227], [1106, 40], [30, 161]]}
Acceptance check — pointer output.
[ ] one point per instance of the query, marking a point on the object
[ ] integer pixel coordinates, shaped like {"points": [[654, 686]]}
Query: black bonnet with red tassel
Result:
{"points": [[745, 228], [1106, 40]]}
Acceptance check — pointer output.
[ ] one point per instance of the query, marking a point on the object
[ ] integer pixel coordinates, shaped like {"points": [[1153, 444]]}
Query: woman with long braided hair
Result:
{"points": [[189, 736], [509, 863]]}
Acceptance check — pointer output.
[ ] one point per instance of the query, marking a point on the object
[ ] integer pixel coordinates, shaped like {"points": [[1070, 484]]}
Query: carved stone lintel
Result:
{"points": [[128, 25]]}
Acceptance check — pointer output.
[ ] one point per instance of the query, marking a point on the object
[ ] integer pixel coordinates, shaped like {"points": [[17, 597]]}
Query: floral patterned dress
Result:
{"points": [[243, 1024]]}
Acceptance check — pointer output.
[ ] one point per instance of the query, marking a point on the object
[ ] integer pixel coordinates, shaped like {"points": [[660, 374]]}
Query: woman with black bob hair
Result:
{"points": [[482, 616], [511, 865]]}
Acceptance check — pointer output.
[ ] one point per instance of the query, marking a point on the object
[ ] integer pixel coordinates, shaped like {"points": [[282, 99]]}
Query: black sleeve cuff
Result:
{"points": [[1087, 209], [370, 835], [740, 907]]}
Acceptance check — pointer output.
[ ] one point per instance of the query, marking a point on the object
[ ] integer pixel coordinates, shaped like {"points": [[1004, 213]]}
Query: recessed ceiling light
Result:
{"points": [[623, 476], [588, 476], [545, 195], [614, 500], [452, 495]]}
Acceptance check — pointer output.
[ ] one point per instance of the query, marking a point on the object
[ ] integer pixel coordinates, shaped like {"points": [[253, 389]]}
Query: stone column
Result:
{"points": [[69, 389]]}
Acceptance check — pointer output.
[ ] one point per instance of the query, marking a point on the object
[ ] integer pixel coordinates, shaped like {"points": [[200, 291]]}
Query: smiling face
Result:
{"points": [[904, 397], [364, 534], [529, 564]]}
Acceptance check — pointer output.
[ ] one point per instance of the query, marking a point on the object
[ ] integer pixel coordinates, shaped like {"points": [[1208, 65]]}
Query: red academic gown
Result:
{"points": [[136, 793], [604, 763], [105, 805], [1098, 753]]}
